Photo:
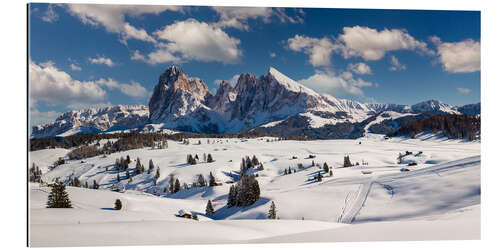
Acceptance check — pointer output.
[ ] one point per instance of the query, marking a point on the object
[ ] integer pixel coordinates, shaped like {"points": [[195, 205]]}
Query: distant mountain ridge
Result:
{"points": [[184, 103]]}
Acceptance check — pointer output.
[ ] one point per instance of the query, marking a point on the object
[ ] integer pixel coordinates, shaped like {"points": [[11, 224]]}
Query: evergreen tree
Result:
{"points": [[272, 211], [209, 158], [177, 186], [151, 166], [255, 161], [325, 167], [347, 162], [118, 204], [157, 175], [204, 157], [171, 188], [128, 159], [76, 182], [209, 211], [117, 177], [96, 186], [319, 177], [201, 181], [231, 198], [58, 197], [211, 180], [247, 191], [127, 174], [138, 167], [86, 185], [191, 160]]}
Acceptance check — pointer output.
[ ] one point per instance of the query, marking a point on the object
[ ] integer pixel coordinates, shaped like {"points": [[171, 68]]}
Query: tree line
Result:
{"points": [[451, 126]]}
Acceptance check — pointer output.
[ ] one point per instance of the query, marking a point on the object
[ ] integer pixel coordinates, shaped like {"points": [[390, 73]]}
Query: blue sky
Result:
{"points": [[99, 55]]}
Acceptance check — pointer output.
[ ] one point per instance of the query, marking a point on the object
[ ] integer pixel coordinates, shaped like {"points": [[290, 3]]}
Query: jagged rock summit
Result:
{"points": [[185, 103]]}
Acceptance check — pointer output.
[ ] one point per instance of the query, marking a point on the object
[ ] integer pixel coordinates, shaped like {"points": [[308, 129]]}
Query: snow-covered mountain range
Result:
{"points": [[271, 101]]}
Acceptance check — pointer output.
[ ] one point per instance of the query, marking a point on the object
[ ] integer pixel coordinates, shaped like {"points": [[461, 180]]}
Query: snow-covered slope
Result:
{"points": [[443, 186]]}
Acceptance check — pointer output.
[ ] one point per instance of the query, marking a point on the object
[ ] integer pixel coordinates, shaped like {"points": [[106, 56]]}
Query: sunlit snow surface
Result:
{"points": [[438, 199]]}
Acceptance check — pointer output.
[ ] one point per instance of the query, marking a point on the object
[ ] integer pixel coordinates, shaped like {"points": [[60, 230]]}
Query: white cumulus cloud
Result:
{"points": [[237, 17], [102, 60], [459, 57], [48, 83], [336, 84], [75, 67], [192, 40], [134, 89], [113, 17], [319, 50], [371, 44], [360, 68]]}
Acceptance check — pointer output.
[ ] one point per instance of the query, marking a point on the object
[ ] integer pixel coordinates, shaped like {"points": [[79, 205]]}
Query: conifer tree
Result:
{"points": [[128, 159], [138, 166], [96, 186], [151, 166], [201, 181], [231, 198], [211, 180], [209, 158], [86, 185], [157, 175], [325, 167], [209, 211], [171, 188], [58, 197], [347, 162], [255, 161], [177, 186], [117, 177], [118, 204], [127, 174], [319, 177], [204, 157], [272, 211]]}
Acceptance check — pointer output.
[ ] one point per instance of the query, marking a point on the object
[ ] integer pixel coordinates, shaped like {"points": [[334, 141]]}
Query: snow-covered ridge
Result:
{"points": [[184, 103], [94, 120]]}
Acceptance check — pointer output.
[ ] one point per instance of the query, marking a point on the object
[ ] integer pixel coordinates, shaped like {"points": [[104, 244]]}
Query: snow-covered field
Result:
{"points": [[439, 198]]}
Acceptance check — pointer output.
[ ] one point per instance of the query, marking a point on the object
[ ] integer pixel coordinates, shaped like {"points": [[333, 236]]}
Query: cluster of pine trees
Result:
{"points": [[195, 160], [245, 193], [347, 162], [122, 163], [450, 125], [289, 171], [84, 151], [249, 163], [35, 173]]}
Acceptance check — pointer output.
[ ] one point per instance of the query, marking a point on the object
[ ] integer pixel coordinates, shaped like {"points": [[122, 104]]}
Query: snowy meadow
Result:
{"points": [[396, 189]]}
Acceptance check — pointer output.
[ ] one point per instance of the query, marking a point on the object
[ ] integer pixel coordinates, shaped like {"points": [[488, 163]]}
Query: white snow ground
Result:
{"points": [[438, 199]]}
